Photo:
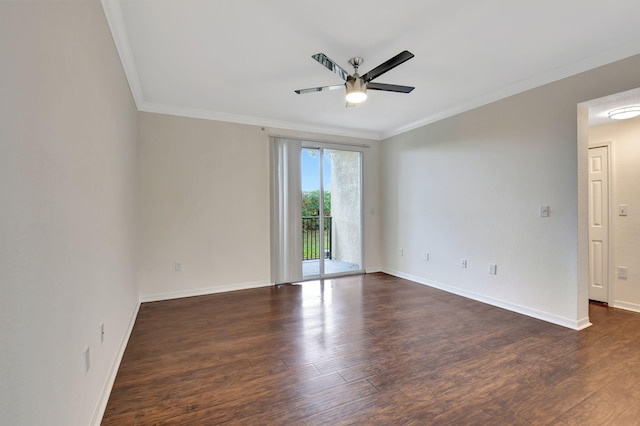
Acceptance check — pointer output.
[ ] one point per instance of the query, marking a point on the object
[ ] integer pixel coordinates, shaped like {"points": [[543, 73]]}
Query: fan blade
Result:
{"points": [[387, 66], [319, 89], [389, 87], [330, 65]]}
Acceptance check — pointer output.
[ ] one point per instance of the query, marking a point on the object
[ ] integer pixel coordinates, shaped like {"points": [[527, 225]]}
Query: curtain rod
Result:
{"points": [[359, 145]]}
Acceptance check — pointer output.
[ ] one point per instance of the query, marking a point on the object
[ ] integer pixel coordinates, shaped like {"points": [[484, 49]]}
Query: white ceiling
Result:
{"points": [[241, 60]]}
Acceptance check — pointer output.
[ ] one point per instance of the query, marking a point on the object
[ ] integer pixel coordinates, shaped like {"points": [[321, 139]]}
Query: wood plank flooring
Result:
{"points": [[374, 350]]}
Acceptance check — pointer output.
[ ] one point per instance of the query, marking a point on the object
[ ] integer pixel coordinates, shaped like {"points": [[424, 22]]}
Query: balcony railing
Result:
{"points": [[311, 237]]}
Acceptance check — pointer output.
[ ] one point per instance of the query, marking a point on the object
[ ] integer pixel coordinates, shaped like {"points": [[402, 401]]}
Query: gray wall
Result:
{"points": [[470, 187], [67, 178], [204, 201]]}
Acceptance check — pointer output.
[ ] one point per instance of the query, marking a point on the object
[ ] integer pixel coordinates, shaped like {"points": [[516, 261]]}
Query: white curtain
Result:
{"points": [[286, 211]]}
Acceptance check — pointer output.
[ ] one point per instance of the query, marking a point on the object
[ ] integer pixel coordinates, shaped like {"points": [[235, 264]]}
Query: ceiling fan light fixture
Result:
{"points": [[356, 90], [624, 113], [356, 97]]}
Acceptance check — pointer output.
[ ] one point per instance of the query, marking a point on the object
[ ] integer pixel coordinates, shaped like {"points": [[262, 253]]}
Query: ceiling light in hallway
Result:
{"points": [[624, 113]]}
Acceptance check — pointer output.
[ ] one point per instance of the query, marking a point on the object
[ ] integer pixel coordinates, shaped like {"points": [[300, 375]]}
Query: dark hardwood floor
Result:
{"points": [[374, 350]]}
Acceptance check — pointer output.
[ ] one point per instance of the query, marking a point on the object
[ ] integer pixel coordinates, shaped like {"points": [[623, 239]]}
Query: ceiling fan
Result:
{"points": [[356, 85]]}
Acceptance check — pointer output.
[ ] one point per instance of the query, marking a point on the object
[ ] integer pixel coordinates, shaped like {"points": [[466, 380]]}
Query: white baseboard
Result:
{"points": [[202, 291], [372, 269], [111, 378], [583, 323], [626, 305], [524, 310]]}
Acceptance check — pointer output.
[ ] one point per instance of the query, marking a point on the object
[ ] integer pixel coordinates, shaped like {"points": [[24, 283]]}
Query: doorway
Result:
{"points": [[596, 129], [331, 204]]}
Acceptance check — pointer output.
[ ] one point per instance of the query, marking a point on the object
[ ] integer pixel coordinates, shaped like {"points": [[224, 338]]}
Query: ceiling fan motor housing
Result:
{"points": [[355, 83]]}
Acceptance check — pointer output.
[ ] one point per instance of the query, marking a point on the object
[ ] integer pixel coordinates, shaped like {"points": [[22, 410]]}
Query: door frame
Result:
{"points": [[309, 144], [611, 220]]}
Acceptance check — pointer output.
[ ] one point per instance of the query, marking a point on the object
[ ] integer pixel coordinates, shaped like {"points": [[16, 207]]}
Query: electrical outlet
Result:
{"points": [[178, 266], [101, 332], [493, 269], [400, 252], [463, 263], [425, 256], [87, 360]]}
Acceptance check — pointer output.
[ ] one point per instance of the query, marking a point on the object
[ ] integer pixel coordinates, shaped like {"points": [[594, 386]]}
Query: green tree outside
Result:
{"points": [[310, 227], [311, 203]]}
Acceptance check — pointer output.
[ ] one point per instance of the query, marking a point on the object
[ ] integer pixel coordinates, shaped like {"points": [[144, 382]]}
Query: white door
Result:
{"points": [[599, 224]]}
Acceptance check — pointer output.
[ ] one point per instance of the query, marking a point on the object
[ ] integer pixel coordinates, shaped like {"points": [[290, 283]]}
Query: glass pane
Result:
{"points": [[343, 246], [310, 175]]}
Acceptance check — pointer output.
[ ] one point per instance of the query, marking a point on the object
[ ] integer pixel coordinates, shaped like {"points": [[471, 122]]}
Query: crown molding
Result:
{"points": [[257, 121], [603, 58], [115, 20]]}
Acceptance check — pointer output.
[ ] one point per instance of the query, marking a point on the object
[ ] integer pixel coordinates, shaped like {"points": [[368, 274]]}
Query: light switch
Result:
{"points": [[622, 272], [622, 209], [544, 211]]}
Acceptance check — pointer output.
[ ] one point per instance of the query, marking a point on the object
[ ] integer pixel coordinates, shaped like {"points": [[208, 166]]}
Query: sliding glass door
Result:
{"points": [[331, 212]]}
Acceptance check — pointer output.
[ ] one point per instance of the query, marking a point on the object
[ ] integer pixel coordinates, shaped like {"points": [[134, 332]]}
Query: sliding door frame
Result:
{"points": [[321, 147]]}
